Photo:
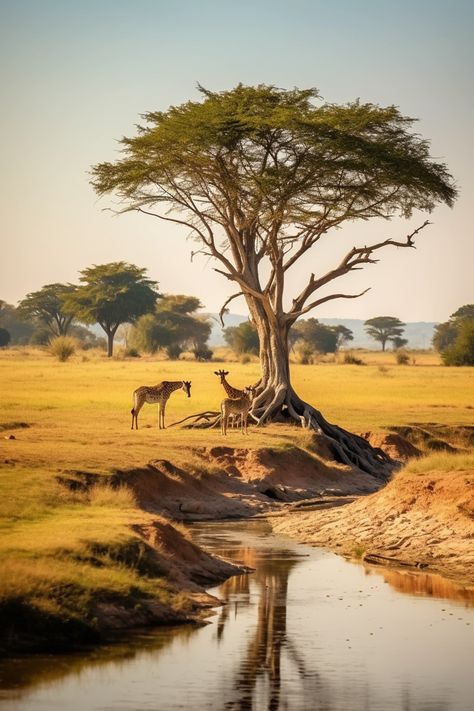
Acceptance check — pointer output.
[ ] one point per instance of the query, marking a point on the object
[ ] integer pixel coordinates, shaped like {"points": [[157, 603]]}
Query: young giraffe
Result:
{"points": [[239, 406], [231, 392], [157, 393]]}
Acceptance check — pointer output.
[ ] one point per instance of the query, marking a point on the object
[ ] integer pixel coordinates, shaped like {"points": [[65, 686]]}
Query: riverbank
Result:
{"points": [[423, 518]]}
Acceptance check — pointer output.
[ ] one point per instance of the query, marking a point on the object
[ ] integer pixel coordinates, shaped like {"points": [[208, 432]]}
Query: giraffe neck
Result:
{"points": [[173, 385], [231, 392]]}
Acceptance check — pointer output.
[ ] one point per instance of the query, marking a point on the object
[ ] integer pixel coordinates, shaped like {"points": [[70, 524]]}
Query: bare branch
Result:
{"points": [[293, 315], [231, 298], [351, 262]]}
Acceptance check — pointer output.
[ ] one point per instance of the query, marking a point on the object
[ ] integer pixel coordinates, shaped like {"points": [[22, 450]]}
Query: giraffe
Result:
{"points": [[157, 393], [237, 406], [231, 392]]}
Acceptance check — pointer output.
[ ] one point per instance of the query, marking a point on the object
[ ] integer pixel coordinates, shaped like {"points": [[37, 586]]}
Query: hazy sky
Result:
{"points": [[76, 74]]}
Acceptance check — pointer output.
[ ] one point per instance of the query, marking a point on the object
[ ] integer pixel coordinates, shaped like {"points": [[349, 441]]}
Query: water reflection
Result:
{"points": [[306, 630]]}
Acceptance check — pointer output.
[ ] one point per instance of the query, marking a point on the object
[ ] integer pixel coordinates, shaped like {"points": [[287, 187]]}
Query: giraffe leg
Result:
{"points": [[138, 404], [163, 407]]}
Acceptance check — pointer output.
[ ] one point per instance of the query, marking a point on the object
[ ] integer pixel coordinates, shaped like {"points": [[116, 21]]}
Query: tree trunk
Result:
{"points": [[276, 399], [110, 343]]}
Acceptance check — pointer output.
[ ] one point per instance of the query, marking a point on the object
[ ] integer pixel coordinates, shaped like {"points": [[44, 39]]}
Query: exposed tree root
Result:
{"points": [[282, 404]]}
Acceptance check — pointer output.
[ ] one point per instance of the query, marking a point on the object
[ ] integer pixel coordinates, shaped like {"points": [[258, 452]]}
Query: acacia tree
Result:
{"points": [[48, 307], [261, 175], [112, 294], [384, 328]]}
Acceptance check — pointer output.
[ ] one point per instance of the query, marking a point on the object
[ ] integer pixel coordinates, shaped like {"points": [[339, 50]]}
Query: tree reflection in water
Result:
{"points": [[259, 670]]}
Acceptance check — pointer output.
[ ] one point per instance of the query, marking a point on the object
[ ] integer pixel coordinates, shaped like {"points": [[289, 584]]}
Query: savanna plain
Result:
{"points": [[92, 512]]}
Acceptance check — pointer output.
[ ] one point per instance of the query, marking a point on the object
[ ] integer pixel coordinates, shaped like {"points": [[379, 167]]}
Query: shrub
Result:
{"points": [[63, 347], [461, 352], [173, 351], [131, 353], [4, 337], [402, 357], [245, 358], [202, 353], [350, 359], [304, 352]]}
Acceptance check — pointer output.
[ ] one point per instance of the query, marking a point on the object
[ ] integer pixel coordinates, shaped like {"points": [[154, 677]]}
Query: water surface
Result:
{"points": [[307, 630]]}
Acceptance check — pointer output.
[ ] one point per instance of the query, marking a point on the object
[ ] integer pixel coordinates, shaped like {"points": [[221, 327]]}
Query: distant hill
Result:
{"points": [[418, 333]]}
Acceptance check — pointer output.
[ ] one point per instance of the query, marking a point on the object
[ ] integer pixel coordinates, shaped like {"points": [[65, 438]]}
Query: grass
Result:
{"points": [[441, 462], [60, 548]]}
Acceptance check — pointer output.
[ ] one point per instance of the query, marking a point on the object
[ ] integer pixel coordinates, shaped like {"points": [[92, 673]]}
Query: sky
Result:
{"points": [[77, 74]]}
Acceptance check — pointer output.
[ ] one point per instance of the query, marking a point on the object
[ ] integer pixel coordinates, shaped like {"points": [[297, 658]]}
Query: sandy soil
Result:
{"points": [[426, 520], [227, 482]]}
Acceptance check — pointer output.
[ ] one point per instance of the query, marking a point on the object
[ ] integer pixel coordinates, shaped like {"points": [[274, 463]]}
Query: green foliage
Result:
{"points": [[47, 307], [5, 337], [398, 342], [112, 294], [242, 338], [320, 338], [445, 338], [461, 352], [63, 347], [173, 326], [20, 330], [344, 335], [384, 328]]}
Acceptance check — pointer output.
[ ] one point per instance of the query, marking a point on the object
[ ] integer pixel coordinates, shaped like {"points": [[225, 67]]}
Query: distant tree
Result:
{"points": [[242, 338], [4, 337], [384, 328], [321, 338], [47, 307], [19, 329], [398, 342], [173, 326], [444, 335], [454, 338], [112, 294], [461, 352], [344, 335]]}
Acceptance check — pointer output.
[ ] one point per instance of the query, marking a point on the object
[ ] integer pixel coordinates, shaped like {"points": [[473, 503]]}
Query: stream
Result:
{"points": [[306, 631]]}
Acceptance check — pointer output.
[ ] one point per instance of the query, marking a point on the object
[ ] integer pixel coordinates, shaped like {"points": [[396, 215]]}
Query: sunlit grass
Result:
{"points": [[441, 462], [79, 419]]}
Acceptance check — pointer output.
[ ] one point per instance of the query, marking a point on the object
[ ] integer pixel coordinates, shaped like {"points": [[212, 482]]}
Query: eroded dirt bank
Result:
{"points": [[178, 572], [426, 520]]}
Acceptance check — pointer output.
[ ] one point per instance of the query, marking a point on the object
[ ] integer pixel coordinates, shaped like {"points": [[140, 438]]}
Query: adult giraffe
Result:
{"points": [[157, 393]]}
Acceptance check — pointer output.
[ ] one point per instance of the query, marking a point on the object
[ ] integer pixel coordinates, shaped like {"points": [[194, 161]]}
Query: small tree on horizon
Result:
{"points": [[242, 338], [47, 307], [110, 295], [384, 328], [453, 338], [260, 176]]}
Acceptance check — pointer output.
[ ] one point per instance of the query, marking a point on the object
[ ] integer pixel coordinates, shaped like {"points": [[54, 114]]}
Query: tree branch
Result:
{"points": [[231, 298]]}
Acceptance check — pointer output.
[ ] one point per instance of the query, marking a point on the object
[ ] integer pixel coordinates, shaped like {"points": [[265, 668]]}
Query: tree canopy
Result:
{"points": [[112, 294], [454, 338], [242, 338], [173, 326], [384, 328], [321, 338], [47, 306]]}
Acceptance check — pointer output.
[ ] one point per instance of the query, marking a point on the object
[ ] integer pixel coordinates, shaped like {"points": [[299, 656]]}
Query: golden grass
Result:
{"points": [[441, 462]]}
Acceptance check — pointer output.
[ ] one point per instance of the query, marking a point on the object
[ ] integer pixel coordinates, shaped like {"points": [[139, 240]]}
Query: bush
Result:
{"points": [[350, 359], [173, 351], [402, 357], [304, 352], [4, 337], [202, 353], [131, 353], [244, 358], [63, 347], [462, 350]]}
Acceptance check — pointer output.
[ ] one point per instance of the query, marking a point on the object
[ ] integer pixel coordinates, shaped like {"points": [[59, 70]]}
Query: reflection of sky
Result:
{"points": [[348, 642], [76, 76]]}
